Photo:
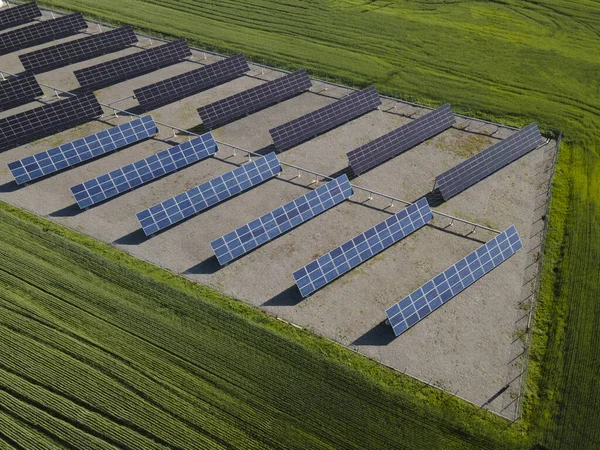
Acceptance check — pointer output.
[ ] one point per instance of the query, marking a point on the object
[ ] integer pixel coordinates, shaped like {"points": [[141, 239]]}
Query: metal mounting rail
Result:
{"points": [[251, 153]]}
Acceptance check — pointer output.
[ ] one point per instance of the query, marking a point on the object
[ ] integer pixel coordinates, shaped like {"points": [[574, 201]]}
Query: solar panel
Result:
{"points": [[433, 294], [324, 119], [208, 194], [143, 171], [78, 50], [340, 260], [41, 32], [239, 105], [67, 155], [18, 15], [280, 220], [19, 90], [190, 83], [131, 66], [485, 163], [370, 155], [48, 119]]}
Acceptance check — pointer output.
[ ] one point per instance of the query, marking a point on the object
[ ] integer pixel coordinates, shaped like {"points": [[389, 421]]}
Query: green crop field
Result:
{"points": [[510, 61], [96, 354]]}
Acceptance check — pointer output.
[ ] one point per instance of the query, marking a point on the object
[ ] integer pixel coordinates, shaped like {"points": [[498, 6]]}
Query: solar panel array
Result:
{"points": [[372, 154], [485, 163], [236, 106], [436, 292], [280, 220], [78, 50], [18, 15], [18, 90], [48, 119], [143, 171], [190, 83], [130, 66], [208, 194], [340, 260], [41, 32], [67, 155], [324, 119]]}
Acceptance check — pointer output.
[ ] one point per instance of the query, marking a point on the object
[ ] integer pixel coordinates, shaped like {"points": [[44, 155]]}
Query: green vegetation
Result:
{"points": [[511, 61], [98, 354]]}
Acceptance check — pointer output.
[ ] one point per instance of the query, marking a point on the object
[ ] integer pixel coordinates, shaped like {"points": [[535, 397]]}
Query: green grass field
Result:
{"points": [[510, 61]]}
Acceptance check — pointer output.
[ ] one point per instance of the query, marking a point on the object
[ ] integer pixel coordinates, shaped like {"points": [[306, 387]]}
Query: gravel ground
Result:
{"points": [[473, 346]]}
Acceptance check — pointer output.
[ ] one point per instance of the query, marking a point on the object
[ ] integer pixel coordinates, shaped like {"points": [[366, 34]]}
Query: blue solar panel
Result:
{"points": [[53, 160], [280, 220], [433, 294], [208, 194], [364, 246], [144, 171]]}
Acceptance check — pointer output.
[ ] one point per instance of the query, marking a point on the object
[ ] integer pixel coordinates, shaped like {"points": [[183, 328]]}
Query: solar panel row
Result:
{"points": [[372, 154], [67, 155], [18, 15], [190, 83], [19, 90], [324, 119], [281, 220], [78, 50], [239, 105], [340, 260], [143, 171], [485, 163], [433, 294], [41, 32], [48, 119], [208, 194], [131, 66]]}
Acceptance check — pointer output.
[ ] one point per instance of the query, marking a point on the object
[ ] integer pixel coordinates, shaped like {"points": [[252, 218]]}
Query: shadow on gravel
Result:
{"points": [[134, 238], [381, 334], [68, 211], [290, 297], [206, 267], [11, 186]]}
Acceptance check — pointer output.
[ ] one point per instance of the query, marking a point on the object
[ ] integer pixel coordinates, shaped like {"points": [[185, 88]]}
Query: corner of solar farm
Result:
{"points": [[409, 234]]}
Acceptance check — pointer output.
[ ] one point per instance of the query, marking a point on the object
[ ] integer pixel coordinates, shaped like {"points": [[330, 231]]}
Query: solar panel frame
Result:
{"points": [[199, 198], [392, 144], [449, 283], [132, 66], [489, 161], [19, 15], [190, 83], [78, 50], [143, 171], [354, 252], [277, 222], [41, 32], [254, 99], [19, 90], [303, 128], [48, 119], [67, 155]]}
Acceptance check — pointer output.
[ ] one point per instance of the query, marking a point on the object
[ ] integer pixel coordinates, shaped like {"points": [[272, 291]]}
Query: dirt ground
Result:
{"points": [[473, 346]]}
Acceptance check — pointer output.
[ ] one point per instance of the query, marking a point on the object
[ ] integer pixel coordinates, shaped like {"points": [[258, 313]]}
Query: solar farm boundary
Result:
{"points": [[250, 153]]}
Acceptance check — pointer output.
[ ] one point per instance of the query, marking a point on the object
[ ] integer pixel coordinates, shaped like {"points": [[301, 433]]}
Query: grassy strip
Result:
{"points": [[563, 396], [160, 348]]}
